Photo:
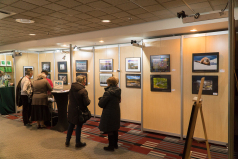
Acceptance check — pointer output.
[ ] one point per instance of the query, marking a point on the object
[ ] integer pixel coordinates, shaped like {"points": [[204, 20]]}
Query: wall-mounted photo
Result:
{"points": [[103, 78], [8, 69], [48, 76], [2, 69], [25, 69], [133, 80], [106, 65], [160, 83], [45, 66], [210, 86], [160, 63], [64, 78], [83, 74], [133, 64], [3, 63], [81, 65], [205, 62], [62, 66], [9, 63]]}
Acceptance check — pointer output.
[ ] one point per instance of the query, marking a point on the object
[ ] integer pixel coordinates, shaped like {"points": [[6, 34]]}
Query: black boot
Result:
{"points": [[115, 135], [80, 144], [67, 143], [111, 143]]}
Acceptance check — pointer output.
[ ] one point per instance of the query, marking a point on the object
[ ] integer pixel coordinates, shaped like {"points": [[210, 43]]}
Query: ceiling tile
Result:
{"points": [[83, 8], [130, 18], [194, 1], [83, 16], [200, 5], [94, 25], [37, 2], [166, 16], [203, 10], [118, 21], [20, 16], [60, 21], [145, 15], [116, 2], [179, 9], [32, 14], [2, 5], [218, 2], [48, 18], [70, 12], [127, 6], [83, 22], [86, 1], [137, 21], [69, 4], [107, 17], [53, 0], [99, 4], [154, 8], [151, 19], [42, 10], [12, 9], [24, 5], [96, 13], [218, 7], [58, 14], [8, 1], [71, 18], [121, 14], [137, 11], [145, 2], [173, 4], [111, 10], [94, 20], [162, 12], [55, 7]]}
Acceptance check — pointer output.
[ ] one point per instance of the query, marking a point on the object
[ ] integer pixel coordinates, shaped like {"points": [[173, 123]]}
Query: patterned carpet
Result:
{"points": [[131, 138]]}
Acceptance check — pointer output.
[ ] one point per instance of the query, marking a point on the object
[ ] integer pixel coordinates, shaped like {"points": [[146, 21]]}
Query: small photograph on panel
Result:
{"points": [[46, 66], [161, 83], [103, 79], [63, 77], [81, 65], [160, 63], [210, 85], [133, 80], [105, 65]]}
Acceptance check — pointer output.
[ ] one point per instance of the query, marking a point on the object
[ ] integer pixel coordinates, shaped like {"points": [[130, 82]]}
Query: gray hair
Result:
{"points": [[80, 78], [41, 76], [28, 71]]}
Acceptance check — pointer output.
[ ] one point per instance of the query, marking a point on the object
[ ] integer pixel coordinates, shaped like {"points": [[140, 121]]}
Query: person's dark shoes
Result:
{"points": [[108, 148], [38, 127], [115, 146], [67, 143], [80, 144], [28, 124]]}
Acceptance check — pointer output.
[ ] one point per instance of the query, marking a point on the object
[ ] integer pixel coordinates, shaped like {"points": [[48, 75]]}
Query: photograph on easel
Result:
{"points": [[210, 86], [205, 62]]}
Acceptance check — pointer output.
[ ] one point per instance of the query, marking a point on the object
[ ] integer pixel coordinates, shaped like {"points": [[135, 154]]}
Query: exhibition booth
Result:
{"points": [[158, 77]]}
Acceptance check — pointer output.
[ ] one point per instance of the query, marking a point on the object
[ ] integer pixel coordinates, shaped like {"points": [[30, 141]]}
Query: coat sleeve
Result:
{"points": [[86, 100], [49, 88], [104, 99]]}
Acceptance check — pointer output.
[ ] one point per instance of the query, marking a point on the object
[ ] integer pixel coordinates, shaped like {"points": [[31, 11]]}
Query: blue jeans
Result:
{"points": [[78, 132]]}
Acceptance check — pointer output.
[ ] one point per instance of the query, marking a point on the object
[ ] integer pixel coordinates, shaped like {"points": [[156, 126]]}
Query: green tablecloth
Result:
{"points": [[7, 100]]}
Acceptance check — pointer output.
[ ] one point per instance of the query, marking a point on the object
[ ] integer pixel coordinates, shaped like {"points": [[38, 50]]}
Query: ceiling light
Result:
{"points": [[193, 30], [101, 41], [65, 45], [32, 34], [106, 21], [25, 21]]}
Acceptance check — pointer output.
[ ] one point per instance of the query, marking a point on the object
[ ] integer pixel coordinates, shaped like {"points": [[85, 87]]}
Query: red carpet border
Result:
{"points": [[131, 138]]}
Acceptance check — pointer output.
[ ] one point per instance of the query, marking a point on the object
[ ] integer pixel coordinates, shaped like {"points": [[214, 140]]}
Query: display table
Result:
{"points": [[7, 100], [61, 99]]}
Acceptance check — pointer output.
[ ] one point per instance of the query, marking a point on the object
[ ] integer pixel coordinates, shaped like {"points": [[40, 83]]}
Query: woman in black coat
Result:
{"points": [[78, 102], [110, 119]]}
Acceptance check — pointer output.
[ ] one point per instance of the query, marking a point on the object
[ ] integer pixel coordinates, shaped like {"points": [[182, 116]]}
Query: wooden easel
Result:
{"points": [[192, 123]]}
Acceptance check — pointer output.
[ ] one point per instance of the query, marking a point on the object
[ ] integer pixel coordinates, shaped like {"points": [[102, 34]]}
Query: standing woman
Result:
{"points": [[40, 111], [78, 102], [110, 119]]}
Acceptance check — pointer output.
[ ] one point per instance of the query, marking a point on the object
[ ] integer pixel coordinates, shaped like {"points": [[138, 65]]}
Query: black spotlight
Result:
{"points": [[181, 14], [133, 41]]}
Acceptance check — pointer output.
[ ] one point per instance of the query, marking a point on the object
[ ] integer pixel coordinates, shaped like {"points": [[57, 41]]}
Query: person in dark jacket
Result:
{"points": [[110, 119], [78, 102]]}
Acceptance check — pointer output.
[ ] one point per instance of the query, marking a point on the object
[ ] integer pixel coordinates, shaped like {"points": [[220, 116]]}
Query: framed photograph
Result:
{"points": [[9, 63], [62, 66], [133, 80], [64, 78], [8, 69], [205, 62], [106, 65], [3, 63], [2, 69], [25, 69], [84, 74], [58, 85], [81, 65], [48, 76], [103, 78], [160, 63], [210, 86], [133, 64], [45, 66], [160, 83]]}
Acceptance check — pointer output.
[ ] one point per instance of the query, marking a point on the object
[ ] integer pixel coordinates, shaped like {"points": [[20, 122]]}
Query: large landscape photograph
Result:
{"points": [[160, 63]]}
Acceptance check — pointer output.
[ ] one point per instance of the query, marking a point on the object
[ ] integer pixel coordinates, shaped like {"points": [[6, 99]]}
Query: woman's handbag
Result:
{"points": [[86, 115]]}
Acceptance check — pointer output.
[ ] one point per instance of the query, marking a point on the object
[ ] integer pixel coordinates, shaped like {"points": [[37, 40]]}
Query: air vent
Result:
{"points": [[4, 14]]}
